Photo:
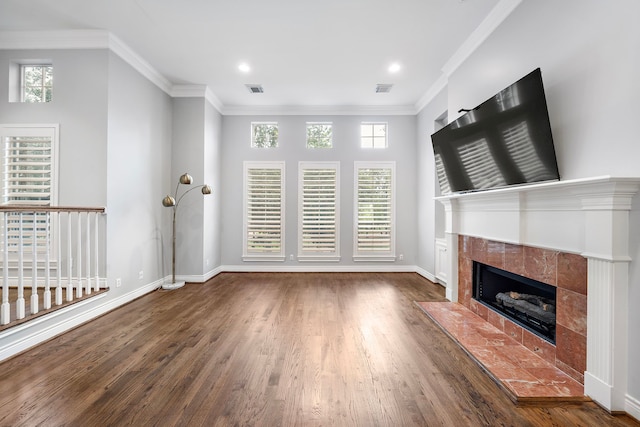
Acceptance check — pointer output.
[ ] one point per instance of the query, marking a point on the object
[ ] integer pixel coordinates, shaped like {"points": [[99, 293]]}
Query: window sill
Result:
{"points": [[374, 258]]}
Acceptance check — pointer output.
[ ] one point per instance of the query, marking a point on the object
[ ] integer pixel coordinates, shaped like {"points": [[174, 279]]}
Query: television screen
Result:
{"points": [[506, 140]]}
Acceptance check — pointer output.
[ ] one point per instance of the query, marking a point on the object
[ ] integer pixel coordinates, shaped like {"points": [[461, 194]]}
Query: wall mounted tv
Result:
{"points": [[504, 141]]}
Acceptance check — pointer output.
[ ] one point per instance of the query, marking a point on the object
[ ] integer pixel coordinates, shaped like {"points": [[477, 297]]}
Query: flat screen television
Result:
{"points": [[504, 141]]}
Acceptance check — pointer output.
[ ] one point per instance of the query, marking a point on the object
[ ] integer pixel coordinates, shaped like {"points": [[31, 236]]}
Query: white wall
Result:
{"points": [[589, 54], [212, 175], [292, 149]]}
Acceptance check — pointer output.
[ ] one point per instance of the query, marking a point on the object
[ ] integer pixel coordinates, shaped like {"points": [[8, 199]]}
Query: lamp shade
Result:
{"points": [[185, 178], [168, 201], [206, 189]]}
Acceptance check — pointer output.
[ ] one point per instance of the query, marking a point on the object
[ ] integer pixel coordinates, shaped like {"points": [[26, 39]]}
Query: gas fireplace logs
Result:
{"points": [[534, 306]]}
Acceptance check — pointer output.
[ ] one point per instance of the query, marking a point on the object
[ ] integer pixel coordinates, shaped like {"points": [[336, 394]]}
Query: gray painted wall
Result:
{"points": [[292, 149], [589, 56], [138, 157]]}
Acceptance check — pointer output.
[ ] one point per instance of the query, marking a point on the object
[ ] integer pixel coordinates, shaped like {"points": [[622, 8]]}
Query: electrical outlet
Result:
{"points": [[291, 257], [401, 257], [118, 282], [207, 262], [140, 275]]}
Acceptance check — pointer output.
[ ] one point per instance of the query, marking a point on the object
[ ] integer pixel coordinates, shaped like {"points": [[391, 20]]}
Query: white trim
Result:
{"points": [[319, 110], [632, 407], [56, 39], [319, 268], [432, 92], [196, 91]]}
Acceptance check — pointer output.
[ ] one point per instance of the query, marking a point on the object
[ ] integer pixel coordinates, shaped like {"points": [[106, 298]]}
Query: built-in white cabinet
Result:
{"points": [[441, 261]]}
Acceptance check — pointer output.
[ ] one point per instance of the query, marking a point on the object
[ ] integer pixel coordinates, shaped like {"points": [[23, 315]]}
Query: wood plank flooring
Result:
{"points": [[268, 349]]}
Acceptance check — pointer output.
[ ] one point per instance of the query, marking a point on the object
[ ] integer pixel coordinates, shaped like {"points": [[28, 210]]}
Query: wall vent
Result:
{"points": [[383, 88], [255, 88]]}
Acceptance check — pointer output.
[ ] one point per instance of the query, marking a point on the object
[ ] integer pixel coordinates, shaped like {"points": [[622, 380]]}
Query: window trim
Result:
{"points": [[253, 126], [23, 85], [382, 256], [317, 256], [308, 124], [386, 136], [246, 254]]}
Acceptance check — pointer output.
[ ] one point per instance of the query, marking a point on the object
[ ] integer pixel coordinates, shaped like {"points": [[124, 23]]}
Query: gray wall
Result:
{"points": [[139, 158], [292, 149], [589, 54], [196, 150], [79, 106]]}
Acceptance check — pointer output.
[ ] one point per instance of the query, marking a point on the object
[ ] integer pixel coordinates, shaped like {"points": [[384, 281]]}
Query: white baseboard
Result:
{"points": [[632, 407], [22, 337], [315, 268]]}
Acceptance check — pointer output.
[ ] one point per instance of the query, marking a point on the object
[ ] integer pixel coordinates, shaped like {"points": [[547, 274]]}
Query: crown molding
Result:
{"points": [[319, 110], [59, 39], [493, 20], [197, 91]]}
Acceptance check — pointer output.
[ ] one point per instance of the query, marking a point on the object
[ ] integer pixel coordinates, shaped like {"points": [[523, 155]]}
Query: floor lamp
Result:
{"points": [[173, 202]]}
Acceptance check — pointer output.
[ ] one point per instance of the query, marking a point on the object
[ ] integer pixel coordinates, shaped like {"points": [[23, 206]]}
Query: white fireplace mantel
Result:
{"points": [[583, 216]]}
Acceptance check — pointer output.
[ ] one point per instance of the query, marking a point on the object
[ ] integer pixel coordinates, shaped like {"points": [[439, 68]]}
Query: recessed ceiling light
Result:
{"points": [[244, 67], [394, 68]]}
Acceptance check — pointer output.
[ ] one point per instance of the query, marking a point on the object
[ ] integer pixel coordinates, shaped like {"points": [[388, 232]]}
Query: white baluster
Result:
{"points": [[69, 260], [58, 261], [88, 254], [34, 263], [79, 256], [5, 309], [20, 306], [47, 265], [96, 238]]}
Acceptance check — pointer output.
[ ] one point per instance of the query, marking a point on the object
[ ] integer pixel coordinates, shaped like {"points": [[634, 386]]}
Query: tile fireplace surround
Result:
{"points": [[571, 234]]}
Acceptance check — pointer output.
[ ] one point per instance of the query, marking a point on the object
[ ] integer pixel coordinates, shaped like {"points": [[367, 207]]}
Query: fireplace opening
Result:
{"points": [[527, 302]]}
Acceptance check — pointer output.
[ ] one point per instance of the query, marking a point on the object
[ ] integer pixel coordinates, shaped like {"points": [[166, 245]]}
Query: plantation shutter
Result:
{"points": [[264, 211], [318, 211], [28, 169], [374, 238]]}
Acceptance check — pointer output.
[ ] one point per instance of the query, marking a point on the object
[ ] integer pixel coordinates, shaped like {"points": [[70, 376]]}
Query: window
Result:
{"points": [[373, 135], [264, 135], [36, 82], [28, 176], [318, 211], [263, 211], [319, 135], [374, 237]]}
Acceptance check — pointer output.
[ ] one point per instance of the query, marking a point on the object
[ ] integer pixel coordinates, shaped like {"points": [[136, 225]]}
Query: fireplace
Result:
{"points": [[527, 302], [556, 233]]}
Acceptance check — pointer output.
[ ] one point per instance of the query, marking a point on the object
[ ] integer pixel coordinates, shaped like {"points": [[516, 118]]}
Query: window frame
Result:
{"points": [[43, 86], [373, 137], [253, 135], [374, 256], [247, 253], [310, 124], [318, 255], [33, 130]]}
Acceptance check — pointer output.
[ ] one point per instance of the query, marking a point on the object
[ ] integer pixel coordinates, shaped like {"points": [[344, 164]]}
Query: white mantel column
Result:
{"points": [[451, 237], [606, 247]]}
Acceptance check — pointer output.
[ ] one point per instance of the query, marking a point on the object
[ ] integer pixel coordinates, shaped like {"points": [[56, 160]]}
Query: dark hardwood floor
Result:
{"points": [[272, 349]]}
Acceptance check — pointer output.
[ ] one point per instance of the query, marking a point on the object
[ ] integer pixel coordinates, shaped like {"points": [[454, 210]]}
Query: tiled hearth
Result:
{"points": [[527, 378], [567, 272]]}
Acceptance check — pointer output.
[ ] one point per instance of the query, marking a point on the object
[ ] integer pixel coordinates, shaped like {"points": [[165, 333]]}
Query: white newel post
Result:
{"points": [[606, 224], [451, 237]]}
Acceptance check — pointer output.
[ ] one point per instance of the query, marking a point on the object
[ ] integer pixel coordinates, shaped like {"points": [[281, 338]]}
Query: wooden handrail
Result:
{"points": [[40, 208]]}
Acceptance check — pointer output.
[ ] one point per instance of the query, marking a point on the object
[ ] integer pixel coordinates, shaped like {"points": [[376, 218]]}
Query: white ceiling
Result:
{"points": [[305, 53]]}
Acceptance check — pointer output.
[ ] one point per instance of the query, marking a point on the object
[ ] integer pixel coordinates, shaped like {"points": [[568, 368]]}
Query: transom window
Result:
{"points": [[319, 135], [264, 134], [36, 82], [373, 135]]}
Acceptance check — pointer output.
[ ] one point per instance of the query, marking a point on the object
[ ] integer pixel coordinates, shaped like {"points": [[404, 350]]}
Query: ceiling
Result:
{"points": [[304, 53]]}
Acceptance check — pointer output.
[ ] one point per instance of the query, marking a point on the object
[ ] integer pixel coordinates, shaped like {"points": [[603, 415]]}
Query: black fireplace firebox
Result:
{"points": [[527, 302]]}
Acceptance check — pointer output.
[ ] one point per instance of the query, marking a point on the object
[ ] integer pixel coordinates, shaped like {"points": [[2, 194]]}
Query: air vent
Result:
{"points": [[255, 88], [383, 88]]}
